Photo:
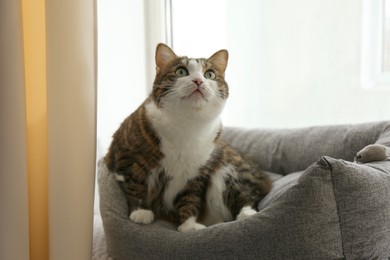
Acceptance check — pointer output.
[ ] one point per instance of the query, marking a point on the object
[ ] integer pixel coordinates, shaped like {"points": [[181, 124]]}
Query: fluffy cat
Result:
{"points": [[169, 157]]}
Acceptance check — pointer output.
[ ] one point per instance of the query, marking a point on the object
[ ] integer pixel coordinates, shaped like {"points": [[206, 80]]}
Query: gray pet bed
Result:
{"points": [[328, 208]]}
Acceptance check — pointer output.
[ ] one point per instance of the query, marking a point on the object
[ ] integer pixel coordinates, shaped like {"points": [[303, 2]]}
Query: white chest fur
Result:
{"points": [[186, 143], [182, 164]]}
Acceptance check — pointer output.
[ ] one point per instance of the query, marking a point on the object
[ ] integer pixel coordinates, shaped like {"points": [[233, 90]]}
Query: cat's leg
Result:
{"points": [[238, 199], [190, 225], [246, 212], [142, 216], [244, 191], [190, 203], [136, 197]]}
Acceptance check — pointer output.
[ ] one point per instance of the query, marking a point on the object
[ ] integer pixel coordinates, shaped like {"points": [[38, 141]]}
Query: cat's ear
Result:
{"points": [[220, 60], [164, 55]]}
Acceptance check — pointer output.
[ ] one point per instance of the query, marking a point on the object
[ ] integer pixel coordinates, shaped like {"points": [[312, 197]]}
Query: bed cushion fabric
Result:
{"points": [[331, 209], [363, 201]]}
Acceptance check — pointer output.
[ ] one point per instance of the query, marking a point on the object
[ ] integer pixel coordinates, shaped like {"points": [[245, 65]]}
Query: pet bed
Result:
{"points": [[322, 205]]}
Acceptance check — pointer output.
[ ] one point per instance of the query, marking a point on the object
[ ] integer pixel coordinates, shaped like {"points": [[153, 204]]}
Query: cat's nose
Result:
{"points": [[198, 81]]}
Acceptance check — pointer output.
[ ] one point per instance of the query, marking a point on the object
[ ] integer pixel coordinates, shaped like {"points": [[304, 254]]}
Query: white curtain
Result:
{"points": [[70, 92]]}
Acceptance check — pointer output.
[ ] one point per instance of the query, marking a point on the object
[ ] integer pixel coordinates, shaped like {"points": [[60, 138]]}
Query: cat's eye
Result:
{"points": [[181, 72], [209, 74]]}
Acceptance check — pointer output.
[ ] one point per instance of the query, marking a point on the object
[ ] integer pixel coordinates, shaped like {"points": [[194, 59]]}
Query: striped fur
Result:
{"points": [[168, 156]]}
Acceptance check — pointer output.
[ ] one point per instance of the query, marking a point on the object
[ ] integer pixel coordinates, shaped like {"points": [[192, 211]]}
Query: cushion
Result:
{"points": [[331, 209]]}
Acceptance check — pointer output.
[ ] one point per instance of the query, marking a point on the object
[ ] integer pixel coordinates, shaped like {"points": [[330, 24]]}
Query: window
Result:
{"points": [[376, 44]]}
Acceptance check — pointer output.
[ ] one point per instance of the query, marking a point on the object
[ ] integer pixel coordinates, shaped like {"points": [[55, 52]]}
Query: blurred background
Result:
{"points": [[292, 63]]}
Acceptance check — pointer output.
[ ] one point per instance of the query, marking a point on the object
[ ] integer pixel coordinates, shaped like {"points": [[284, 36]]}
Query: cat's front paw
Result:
{"points": [[245, 213], [142, 216], [190, 225]]}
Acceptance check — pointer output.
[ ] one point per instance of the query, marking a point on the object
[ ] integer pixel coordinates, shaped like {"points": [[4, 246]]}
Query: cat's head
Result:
{"points": [[183, 82]]}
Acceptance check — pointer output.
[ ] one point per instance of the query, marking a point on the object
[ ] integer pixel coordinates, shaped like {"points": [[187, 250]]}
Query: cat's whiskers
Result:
{"points": [[171, 98], [162, 96], [167, 97], [220, 95]]}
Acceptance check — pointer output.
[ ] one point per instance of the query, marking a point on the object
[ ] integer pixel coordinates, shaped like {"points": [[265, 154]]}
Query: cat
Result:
{"points": [[169, 157]]}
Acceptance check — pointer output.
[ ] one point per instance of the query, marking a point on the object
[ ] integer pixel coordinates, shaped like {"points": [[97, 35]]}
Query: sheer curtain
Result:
{"points": [[48, 125]]}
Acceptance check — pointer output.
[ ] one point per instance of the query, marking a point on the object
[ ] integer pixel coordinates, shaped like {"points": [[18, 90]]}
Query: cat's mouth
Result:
{"points": [[197, 94]]}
